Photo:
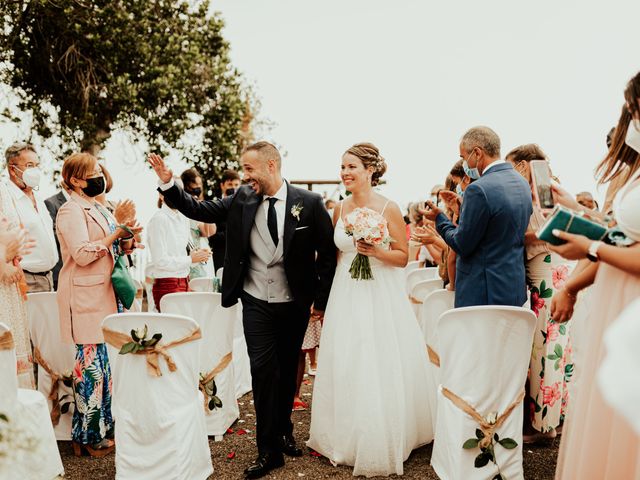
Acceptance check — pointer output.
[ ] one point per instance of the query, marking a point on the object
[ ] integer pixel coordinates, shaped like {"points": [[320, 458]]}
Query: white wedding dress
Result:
{"points": [[370, 402]]}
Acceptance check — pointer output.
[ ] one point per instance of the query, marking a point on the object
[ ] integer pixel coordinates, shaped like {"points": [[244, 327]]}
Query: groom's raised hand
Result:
{"points": [[157, 163]]}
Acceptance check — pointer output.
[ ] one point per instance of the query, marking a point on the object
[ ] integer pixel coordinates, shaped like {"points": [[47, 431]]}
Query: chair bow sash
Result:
{"points": [[6, 341], [118, 339], [433, 356], [222, 364], [487, 428], [415, 301], [55, 379]]}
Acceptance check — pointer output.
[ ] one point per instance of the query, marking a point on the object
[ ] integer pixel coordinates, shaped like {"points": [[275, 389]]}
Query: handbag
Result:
{"points": [[569, 221], [123, 284]]}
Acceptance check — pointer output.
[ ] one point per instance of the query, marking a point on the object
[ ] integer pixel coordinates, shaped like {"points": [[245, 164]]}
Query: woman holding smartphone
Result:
{"points": [[550, 369]]}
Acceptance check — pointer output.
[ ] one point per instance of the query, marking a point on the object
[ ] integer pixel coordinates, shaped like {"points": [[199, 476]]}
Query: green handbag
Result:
{"points": [[123, 284]]}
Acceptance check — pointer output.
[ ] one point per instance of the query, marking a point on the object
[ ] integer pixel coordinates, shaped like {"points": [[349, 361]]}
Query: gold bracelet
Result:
{"points": [[569, 294]]}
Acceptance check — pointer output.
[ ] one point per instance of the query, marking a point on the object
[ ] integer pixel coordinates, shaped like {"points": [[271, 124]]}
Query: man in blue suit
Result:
{"points": [[489, 238]]}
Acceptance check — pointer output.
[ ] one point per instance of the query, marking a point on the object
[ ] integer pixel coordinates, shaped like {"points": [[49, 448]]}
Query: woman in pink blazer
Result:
{"points": [[90, 242]]}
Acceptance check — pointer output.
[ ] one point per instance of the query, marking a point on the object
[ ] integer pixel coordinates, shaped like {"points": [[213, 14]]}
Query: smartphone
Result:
{"points": [[541, 178]]}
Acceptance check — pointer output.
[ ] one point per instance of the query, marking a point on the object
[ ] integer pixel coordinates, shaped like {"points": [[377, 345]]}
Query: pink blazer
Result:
{"points": [[85, 293]]}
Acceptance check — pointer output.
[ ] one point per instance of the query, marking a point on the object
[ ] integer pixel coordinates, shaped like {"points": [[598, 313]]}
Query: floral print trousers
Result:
{"points": [[92, 419], [551, 367]]}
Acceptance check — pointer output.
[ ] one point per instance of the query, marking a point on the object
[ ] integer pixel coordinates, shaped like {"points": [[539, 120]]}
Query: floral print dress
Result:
{"points": [[92, 419], [551, 367]]}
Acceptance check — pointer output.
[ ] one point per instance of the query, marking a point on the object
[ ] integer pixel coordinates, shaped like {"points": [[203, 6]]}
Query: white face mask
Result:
{"points": [[30, 176], [633, 135]]}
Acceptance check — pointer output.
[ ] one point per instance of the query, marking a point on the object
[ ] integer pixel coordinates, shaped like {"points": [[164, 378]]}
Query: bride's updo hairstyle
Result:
{"points": [[369, 155]]}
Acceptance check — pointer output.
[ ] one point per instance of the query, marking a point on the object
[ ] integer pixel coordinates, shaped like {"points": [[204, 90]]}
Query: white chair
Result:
{"points": [[484, 357], [219, 273], [203, 284], [434, 305], [161, 430], [57, 357], [241, 362], [419, 292], [411, 266], [217, 325], [420, 274], [28, 415]]}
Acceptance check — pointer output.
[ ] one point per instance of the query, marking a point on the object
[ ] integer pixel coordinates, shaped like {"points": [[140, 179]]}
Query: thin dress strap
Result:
{"points": [[340, 213], [384, 208]]}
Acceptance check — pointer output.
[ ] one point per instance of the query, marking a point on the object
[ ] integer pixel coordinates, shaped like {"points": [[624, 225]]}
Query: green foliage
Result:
{"points": [[157, 69]]}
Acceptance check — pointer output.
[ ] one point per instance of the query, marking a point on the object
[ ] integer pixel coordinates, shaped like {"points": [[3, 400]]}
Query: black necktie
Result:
{"points": [[272, 220]]}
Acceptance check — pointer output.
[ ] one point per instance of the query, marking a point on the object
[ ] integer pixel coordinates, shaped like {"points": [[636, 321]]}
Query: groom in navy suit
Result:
{"points": [[489, 238]]}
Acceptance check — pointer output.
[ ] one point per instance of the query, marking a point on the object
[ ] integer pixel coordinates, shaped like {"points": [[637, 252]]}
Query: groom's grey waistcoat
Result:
{"points": [[266, 279]]}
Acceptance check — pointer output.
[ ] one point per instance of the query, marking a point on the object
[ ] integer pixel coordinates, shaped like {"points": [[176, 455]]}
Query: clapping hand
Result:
{"points": [[452, 200], [16, 243], [132, 225], [125, 211], [431, 212], [157, 163], [425, 235]]}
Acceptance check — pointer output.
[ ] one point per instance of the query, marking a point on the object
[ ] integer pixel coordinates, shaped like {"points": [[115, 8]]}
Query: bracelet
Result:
{"points": [[128, 230], [569, 294]]}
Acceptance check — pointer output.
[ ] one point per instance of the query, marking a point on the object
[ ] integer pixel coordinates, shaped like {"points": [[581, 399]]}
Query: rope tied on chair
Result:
{"points": [[118, 339], [6, 341], [55, 385], [222, 364], [433, 356], [487, 426], [415, 300]]}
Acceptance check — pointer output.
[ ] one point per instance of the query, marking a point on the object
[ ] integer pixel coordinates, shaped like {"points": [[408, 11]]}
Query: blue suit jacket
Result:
{"points": [[489, 239]]}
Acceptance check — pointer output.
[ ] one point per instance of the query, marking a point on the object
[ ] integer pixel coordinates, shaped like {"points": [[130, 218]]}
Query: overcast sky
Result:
{"points": [[411, 76]]}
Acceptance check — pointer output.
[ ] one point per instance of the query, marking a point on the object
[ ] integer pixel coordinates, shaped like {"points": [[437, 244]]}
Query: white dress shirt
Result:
{"points": [[38, 223], [491, 165], [168, 234], [280, 206]]}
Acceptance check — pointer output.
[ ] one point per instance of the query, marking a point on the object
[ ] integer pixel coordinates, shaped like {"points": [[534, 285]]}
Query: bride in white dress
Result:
{"points": [[370, 403]]}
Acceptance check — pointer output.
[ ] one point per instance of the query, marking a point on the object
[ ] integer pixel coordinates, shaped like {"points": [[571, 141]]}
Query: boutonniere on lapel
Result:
{"points": [[295, 211]]}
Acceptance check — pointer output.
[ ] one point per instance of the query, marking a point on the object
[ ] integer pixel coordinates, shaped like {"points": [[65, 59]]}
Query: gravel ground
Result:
{"points": [[539, 462]]}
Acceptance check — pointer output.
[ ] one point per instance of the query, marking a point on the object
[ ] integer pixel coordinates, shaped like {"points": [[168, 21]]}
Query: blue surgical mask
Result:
{"points": [[472, 173], [459, 190]]}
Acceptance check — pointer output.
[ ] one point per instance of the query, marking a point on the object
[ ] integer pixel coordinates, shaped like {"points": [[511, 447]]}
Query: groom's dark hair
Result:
{"points": [[266, 150]]}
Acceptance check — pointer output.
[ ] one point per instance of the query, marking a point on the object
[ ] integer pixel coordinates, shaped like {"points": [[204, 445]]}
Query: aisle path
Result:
{"points": [[539, 463]]}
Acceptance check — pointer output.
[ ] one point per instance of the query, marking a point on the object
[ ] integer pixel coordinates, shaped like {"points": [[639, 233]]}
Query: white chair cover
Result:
{"points": [[241, 362], [619, 374], [411, 266], [29, 419], [484, 357], [217, 325], [435, 304], [202, 284], [420, 291], [44, 325], [161, 431], [420, 274], [8, 375]]}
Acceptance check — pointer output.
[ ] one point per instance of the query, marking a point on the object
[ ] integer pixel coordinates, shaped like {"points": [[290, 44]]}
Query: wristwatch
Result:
{"points": [[592, 253]]}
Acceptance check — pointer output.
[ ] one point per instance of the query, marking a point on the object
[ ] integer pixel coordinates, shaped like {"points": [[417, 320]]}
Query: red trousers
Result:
{"points": [[162, 286]]}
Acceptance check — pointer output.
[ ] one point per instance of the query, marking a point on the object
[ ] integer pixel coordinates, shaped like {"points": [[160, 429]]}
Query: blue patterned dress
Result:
{"points": [[92, 419]]}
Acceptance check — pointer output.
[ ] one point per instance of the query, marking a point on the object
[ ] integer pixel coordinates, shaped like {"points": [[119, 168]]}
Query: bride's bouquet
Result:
{"points": [[370, 227]]}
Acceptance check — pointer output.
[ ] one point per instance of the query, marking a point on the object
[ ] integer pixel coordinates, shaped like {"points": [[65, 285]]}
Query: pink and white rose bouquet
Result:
{"points": [[370, 227]]}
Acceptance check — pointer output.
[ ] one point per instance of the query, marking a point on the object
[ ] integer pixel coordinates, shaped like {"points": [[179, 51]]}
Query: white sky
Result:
{"points": [[411, 76]]}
